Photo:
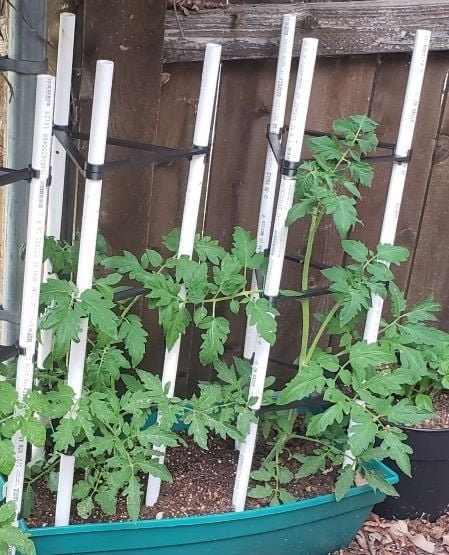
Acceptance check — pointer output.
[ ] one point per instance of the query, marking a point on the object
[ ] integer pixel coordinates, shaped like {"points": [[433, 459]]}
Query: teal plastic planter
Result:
{"points": [[312, 527]]}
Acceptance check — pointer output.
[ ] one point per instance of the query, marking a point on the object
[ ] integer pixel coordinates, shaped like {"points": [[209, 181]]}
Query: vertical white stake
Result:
{"points": [[209, 80], [399, 170], [37, 209], [271, 164], [86, 262], [58, 159], [277, 253], [397, 180]]}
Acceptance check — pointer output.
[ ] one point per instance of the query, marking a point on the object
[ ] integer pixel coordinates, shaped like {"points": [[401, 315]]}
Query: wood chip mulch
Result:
{"points": [[405, 537]]}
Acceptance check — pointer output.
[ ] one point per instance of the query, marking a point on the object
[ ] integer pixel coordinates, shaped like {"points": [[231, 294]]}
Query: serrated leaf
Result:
{"points": [[134, 336], [310, 465], [34, 431], [356, 249], [308, 380], [392, 254], [260, 491], [362, 172], [132, 492], [8, 398], [217, 331], [151, 258], [299, 210], [107, 500], [398, 450], [327, 148], [262, 314], [361, 436], [378, 482], [344, 482], [171, 240], [99, 311], [244, 249], [207, 248], [12, 536], [7, 456]]}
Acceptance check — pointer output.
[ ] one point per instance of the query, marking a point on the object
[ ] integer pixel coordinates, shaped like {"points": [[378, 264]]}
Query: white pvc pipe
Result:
{"points": [[86, 262], [37, 209], [277, 253], [271, 164], [397, 182], [203, 124], [399, 170], [58, 162]]}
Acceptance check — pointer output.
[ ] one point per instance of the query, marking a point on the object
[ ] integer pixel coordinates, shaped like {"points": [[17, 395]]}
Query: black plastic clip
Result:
{"points": [[11, 351], [25, 67], [8, 175], [147, 153]]}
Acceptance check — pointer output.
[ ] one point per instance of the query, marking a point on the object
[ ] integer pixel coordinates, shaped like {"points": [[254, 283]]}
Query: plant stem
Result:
{"points": [[129, 307], [320, 332], [305, 304]]}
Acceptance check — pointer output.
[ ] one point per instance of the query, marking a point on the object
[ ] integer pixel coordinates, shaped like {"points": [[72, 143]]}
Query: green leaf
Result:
{"points": [[171, 240], [343, 213], [175, 320], [207, 248], [35, 431], [344, 482], [262, 315], [244, 249], [7, 513], [260, 491], [309, 379], [327, 148], [424, 311], [217, 331], [398, 302], [99, 310], [151, 258], [263, 474], [286, 497], [107, 499], [361, 436], [85, 507], [320, 422], [81, 489], [356, 249], [398, 450], [8, 398], [64, 434], [133, 334], [7, 456], [132, 492], [366, 356], [299, 210], [12, 536], [362, 172], [310, 465], [378, 482], [392, 254]]}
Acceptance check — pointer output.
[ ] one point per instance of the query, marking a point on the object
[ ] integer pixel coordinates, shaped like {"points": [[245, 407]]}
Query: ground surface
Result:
{"points": [[405, 537]]}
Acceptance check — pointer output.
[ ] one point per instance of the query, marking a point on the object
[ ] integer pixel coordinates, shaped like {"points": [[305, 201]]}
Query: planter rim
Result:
{"points": [[389, 475], [414, 429]]}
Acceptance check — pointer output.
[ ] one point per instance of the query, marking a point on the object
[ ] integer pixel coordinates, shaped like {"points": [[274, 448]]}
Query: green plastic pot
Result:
{"points": [[311, 527]]}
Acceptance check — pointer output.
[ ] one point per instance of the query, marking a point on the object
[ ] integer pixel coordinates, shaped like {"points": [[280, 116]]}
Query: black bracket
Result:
{"points": [[10, 351], [8, 175], [277, 145], [26, 67], [299, 259], [148, 153], [380, 145]]}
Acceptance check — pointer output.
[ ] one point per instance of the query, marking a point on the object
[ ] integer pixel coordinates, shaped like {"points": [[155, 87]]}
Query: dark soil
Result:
{"points": [[441, 409], [202, 484]]}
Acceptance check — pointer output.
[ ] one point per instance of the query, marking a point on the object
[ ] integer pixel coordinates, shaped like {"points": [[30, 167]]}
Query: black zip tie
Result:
{"points": [[25, 67], [11, 351], [311, 403], [129, 293], [149, 153], [9, 176], [299, 258], [289, 169]]}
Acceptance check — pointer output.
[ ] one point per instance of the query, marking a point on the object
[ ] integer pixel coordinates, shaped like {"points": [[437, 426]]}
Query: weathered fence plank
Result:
{"points": [[431, 259], [252, 31]]}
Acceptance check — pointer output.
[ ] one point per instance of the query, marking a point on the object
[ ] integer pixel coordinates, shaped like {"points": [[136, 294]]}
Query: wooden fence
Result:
{"points": [[141, 206]]}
